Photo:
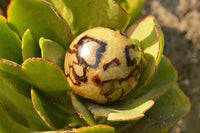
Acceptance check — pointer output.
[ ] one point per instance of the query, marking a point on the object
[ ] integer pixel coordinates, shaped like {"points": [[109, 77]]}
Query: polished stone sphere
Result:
{"points": [[103, 65]]}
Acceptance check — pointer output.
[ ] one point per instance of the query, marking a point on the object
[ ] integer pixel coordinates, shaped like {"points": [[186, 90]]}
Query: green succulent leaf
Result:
{"points": [[165, 76], [10, 44], [131, 114], [151, 41], [58, 4], [136, 105], [30, 46], [168, 109], [96, 129], [6, 122], [82, 111], [20, 110], [148, 71], [51, 51], [46, 76], [125, 110], [52, 115], [150, 37], [41, 19], [90, 129], [66, 131], [15, 83], [82, 15], [119, 126], [133, 7]]}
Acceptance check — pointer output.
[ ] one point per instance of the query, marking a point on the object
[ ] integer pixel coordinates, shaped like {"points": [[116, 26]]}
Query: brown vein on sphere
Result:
{"points": [[68, 75], [82, 62], [130, 62], [97, 81], [71, 51], [99, 51], [112, 63], [80, 78]]}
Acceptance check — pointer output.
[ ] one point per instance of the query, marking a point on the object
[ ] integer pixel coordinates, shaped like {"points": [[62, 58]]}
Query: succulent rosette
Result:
{"points": [[68, 66]]}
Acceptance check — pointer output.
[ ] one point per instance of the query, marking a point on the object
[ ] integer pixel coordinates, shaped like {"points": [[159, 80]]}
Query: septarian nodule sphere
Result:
{"points": [[103, 65]]}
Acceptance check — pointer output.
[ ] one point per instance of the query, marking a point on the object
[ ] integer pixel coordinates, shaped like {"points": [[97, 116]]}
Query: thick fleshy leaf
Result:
{"points": [[40, 18], [96, 129], [8, 125], [52, 115], [58, 4], [20, 108], [125, 110], [150, 37], [82, 111], [15, 83], [134, 106], [148, 72], [151, 41], [51, 51], [133, 7], [46, 76], [91, 129], [168, 109], [10, 44], [119, 126], [55, 132], [30, 45], [82, 15], [165, 76]]}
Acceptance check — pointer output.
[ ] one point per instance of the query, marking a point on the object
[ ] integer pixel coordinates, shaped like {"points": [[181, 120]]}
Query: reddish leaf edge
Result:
{"points": [[59, 16], [134, 118], [79, 129], [30, 59], [42, 117], [184, 115], [159, 54], [2, 107], [78, 112], [124, 25], [9, 5], [54, 10], [158, 30], [172, 83]]}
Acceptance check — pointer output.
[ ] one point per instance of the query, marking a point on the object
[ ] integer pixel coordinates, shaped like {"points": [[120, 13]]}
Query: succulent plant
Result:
{"points": [[61, 59]]}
